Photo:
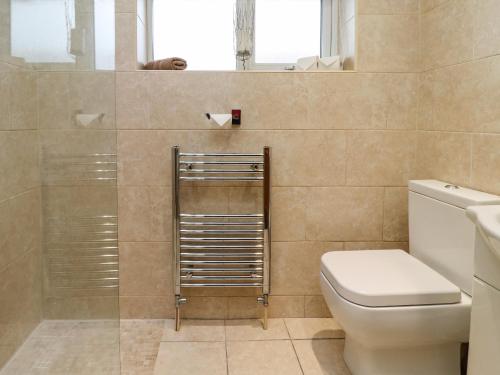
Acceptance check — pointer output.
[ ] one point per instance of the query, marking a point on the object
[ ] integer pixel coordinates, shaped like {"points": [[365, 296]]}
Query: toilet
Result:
{"points": [[409, 313]]}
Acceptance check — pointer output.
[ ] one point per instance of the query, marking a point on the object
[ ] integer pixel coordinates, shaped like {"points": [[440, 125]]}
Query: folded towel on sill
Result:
{"points": [[172, 63]]}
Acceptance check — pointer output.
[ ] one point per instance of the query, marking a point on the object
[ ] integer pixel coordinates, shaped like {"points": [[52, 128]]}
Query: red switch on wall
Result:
{"points": [[236, 113]]}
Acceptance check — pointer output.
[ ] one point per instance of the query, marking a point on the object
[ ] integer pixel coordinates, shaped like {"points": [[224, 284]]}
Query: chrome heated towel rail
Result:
{"points": [[221, 249]]}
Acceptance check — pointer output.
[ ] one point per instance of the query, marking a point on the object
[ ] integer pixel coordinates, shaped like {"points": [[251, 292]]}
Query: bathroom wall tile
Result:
{"points": [[126, 39], [444, 156], [447, 34], [315, 307], [375, 245], [401, 91], [449, 97], [387, 6], [5, 83], [286, 306], [244, 308], [132, 103], [268, 100], [145, 268], [396, 214], [205, 308], [427, 5], [361, 97], [386, 43], [487, 95], [144, 158], [379, 158], [486, 28], [144, 307], [24, 233], [197, 199], [20, 298], [144, 214], [295, 266], [309, 158], [125, 6], [19, 161], [61, 96], [23, 106], [485, 163], [344, 214], [289, 213], [175, 101]]}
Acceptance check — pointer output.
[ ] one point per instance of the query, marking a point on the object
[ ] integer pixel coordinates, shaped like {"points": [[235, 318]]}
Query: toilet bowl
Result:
{"points": [[409, 313]]}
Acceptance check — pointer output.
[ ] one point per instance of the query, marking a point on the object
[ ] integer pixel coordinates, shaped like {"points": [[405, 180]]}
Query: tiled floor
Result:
{"points": [[68, 347], [241, 347], [205, 347]]}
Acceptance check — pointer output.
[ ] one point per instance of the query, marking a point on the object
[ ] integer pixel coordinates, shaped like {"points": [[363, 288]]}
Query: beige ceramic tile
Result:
{"points": [[380, 158], [132, 105], [244, 308], [191, 358], [145, 268], [362, 96], [125, 6], [194, 330], [447, 34], [262, 357], [315, 307], [387, 6], [309, 158], [23, 96], [486, 160], [252, 329], [24, 233], [144, 307], [144, 158], [205, 308], [426, 5], [289, 213], [144, 213], [386, 43], [444, 156], [19, 161], [396, 214], [286, 306], [125, 35], [375, 245], [313, 328], [401, 91], [321, 357], [295, 266], [486, 28], [344, 214]]}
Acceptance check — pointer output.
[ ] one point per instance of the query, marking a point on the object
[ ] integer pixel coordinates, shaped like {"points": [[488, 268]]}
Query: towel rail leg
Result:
{"points": [[264, 300], [178, 302]]}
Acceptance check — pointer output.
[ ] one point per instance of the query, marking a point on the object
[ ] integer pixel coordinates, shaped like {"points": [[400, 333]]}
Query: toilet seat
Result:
{"points": [[385, 278]]}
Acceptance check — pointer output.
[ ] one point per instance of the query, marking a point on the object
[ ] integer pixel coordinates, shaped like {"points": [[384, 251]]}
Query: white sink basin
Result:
{"points": [[487, 220]]}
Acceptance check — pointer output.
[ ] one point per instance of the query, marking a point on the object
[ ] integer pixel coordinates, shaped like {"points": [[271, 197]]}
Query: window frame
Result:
{"points": [[329, 39]]}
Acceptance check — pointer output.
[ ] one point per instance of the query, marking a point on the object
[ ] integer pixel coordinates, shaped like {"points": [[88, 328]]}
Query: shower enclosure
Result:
{"points": [[58, 197]]}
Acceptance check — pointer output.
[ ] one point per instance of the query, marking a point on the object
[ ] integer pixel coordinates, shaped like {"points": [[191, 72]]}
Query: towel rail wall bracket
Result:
{"points": [[213, 250]]}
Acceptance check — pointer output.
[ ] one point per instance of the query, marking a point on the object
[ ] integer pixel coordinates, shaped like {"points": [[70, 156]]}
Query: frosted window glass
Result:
{"points": [[198, 31], [104, 19], [286, 30], [39, 30]]}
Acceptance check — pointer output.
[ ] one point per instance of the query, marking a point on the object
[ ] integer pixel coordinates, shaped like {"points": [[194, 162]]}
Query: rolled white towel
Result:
{"points": [[329, 63], [307, 63]]}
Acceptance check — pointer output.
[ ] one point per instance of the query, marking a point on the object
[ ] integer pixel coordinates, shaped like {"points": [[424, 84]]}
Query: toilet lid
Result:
{"points": [[379, 278]]}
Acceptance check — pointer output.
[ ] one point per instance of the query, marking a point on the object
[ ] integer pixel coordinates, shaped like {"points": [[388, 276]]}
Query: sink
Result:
{"points": [[487, 220]]}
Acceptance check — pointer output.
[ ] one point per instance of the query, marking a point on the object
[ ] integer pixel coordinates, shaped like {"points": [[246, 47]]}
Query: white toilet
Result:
{"points": [[409, 313]]}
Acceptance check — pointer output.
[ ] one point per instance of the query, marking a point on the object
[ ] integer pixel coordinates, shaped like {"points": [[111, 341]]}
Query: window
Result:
{"points": [[199, 31], [280, 32], [35, 39], [286, 30]]}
